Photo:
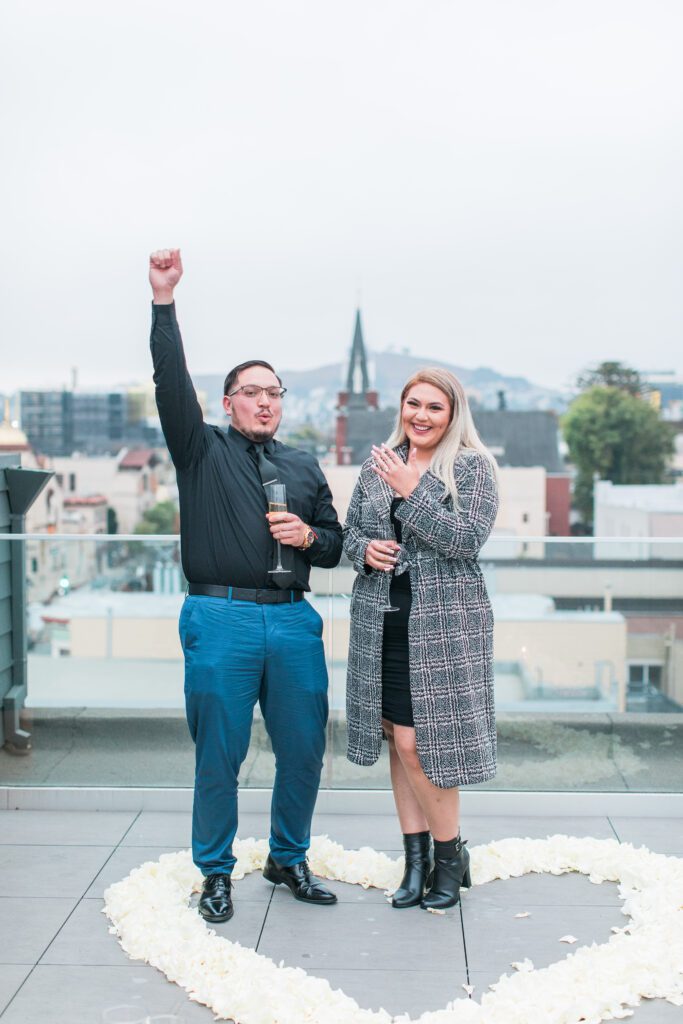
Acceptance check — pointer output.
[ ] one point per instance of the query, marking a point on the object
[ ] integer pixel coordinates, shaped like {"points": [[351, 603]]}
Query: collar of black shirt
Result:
{"points": [[246, 442]]}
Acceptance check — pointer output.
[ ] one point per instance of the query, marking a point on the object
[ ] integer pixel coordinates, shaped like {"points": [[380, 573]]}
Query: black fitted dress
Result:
{"points": [[396, 703]]}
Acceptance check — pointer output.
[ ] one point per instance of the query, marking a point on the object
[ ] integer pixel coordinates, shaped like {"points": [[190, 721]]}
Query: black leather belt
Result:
{"points": [[244, 594]]}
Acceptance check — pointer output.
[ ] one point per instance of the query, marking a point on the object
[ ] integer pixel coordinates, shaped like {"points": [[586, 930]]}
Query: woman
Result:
{"points": [[422, 676]]}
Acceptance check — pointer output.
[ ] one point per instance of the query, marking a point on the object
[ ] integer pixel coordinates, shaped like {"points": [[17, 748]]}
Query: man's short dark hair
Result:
{"points": [[231, 379]]}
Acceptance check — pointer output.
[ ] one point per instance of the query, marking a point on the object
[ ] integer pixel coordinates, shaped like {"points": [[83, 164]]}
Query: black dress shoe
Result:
{"points": [[298, 878], [215, 902]]}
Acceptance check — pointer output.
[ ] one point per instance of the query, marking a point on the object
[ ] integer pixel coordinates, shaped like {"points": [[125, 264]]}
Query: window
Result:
{"points": [[644, 677]]}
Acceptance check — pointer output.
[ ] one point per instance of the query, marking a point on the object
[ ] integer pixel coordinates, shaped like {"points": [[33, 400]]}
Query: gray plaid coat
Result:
{"points": [[450, 628]]}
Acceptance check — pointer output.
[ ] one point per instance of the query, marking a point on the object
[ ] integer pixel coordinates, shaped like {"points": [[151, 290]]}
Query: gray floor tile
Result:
{"points": [[85, 940], [11, 977], [483, 829], [174, 829], [253, 888], [494, 938], [126, 858], [27, 926], [480, 980], [656, 1011], [245, 927], [345, 893], [662, 835], [44, 871], [161, 828], [121, 863], [366, 937], [65, 828], [412, 992], [380, 831], [546, 890], [254, 825], [80, 995]]}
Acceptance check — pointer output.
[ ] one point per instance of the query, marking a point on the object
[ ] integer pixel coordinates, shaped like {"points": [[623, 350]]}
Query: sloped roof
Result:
{"points": [[521, 437], [138, 458], [74, 501]]}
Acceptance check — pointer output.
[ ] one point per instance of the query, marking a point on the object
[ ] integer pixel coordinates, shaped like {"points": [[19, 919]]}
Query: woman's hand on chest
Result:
{"points": [[402, 477]]}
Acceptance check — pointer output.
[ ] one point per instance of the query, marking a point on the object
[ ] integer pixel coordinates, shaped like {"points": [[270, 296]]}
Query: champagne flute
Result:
{"points": [[277, 502], [389, 574]]}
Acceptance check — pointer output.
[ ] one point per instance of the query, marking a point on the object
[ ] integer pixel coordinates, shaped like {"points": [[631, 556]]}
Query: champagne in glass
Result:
{"points": [[277, 502], [389, 574]]}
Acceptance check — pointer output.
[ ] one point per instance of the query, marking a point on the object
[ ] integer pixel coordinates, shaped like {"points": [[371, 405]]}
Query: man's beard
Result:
{"points": [[263, 433]]}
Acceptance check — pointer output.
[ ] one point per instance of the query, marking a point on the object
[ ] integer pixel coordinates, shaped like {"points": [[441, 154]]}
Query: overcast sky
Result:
{"points": [[499, 181]]}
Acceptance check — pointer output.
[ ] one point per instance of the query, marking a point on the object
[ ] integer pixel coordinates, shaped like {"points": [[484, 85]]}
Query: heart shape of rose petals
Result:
{"points": [[150, 915]]}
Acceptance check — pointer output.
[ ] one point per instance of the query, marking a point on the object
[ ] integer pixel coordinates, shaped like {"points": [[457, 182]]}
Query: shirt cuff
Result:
{"points": [[163, 314]]}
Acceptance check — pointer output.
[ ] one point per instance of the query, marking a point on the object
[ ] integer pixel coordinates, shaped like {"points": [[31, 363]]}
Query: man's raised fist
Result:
{"points": [[165, 270]]}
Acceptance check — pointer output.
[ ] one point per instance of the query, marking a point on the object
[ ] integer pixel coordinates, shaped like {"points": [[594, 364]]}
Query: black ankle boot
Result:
{"points": [[418, 872], [451, 871]]}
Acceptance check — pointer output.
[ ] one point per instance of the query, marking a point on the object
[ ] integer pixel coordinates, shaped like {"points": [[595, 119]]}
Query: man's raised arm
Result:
{"points": [[179, 411]]}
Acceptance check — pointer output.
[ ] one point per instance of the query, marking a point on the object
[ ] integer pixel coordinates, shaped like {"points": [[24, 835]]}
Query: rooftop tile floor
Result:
{"points": [[59, 964]]}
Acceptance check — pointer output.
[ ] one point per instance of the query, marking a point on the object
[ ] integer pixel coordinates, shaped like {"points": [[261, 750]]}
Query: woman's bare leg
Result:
{"points": [[410, 814], [439, 807]]}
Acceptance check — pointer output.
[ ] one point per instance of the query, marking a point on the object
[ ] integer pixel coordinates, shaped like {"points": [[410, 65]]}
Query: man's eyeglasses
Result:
{"points": [[254, 391]]}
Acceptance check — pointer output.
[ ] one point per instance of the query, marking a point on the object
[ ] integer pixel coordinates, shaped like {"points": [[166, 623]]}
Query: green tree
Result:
{"points": [[161, 518], [612, 375], [615, 436], [112, 520]]}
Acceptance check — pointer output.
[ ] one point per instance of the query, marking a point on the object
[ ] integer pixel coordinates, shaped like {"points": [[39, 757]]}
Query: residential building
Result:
{"points": [[640, 513], [665, 390], [129, 480]]}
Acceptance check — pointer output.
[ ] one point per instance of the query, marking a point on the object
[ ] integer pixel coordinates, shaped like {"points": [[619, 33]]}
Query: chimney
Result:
{"points": [[501, 400]]}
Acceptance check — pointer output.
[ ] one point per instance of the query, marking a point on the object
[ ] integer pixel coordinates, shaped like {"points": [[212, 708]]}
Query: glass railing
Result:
{"points": [[588, 649]]}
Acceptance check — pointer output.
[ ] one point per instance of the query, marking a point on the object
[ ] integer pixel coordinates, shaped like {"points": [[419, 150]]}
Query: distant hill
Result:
{"points": [[312, 394]]}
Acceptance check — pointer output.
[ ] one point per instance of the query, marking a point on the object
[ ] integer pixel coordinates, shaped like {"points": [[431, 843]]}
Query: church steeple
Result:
{"points": [[356, 402], [357, 381]]}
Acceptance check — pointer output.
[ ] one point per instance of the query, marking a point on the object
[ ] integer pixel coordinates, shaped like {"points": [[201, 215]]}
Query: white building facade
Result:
{"points": [[640, 513]]}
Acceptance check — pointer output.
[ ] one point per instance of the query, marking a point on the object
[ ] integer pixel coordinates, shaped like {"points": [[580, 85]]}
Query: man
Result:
{"points": [[247, 633]]}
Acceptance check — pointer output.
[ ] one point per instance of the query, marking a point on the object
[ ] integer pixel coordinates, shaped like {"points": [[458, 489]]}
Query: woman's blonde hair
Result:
{"points": [[461, 433]]}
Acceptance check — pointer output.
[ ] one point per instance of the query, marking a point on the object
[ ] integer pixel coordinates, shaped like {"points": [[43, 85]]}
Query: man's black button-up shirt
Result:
{"points": [[224, 534]]}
